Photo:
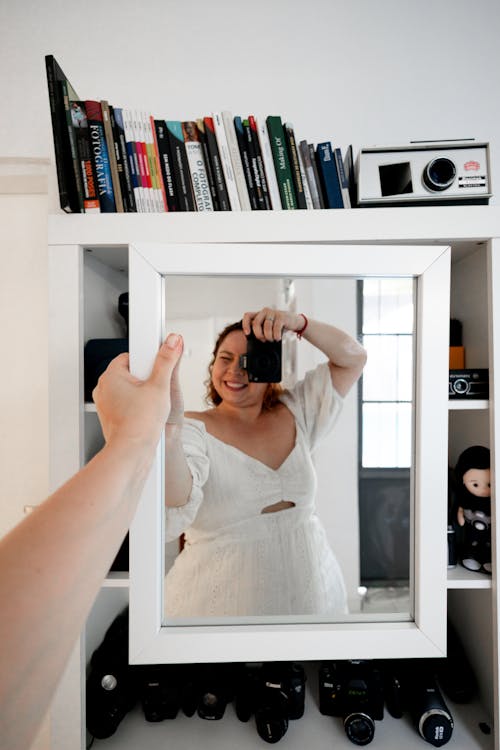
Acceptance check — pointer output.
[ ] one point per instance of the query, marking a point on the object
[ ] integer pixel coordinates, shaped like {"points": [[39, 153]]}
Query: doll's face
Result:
{"points": [[477, 481]]}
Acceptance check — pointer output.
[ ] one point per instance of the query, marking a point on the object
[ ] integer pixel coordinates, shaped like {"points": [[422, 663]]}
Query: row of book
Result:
{"points": [[111, 159]]}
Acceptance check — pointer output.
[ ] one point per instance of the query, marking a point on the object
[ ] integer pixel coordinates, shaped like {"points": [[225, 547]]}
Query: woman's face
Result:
{"points": [[229, 379]]}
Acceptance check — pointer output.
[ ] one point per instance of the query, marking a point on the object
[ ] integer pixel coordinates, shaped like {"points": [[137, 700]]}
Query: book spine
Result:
{"points": [[100, 156], [72, 145], [68, 195], [180, 165], [142, 159], [85, 161], [208, 163], [267, 158], [344, 183], [307, 192], [133, 160], [281, 162], [314, 166], [253, 135], [156, 192], [166, 164], [157, 166], [350, 176], [234, 153], [225, 156], [328, 175], [122, 160], [110, 142], [196, 161], [244, 148], [310, 178], [223, 203], [291, 147]]}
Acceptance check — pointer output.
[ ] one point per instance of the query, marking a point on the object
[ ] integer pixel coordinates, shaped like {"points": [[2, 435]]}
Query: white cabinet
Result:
{"points": [[88, 271]]}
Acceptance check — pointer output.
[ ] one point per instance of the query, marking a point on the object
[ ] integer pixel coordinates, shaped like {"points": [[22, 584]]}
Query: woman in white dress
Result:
{"points": [[241, 485]]}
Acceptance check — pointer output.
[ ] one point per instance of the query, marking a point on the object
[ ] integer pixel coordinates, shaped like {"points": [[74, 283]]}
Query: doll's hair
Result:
{"points": [[272, 393], [475, 457]]}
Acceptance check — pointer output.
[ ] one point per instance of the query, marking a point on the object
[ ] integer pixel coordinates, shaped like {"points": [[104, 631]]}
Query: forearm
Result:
{"points": [[178, 478], [51, 568]]}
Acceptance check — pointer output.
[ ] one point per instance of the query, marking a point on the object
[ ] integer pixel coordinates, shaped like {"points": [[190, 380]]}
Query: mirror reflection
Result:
{"points": [[289, 499]]}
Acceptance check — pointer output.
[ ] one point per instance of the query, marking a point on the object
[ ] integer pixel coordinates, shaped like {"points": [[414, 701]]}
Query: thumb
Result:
{"points": [[166, 359]]}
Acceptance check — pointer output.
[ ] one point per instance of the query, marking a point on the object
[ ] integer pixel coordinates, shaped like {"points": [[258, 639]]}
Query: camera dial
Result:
{"points": [[439, 174], [109, 682]]}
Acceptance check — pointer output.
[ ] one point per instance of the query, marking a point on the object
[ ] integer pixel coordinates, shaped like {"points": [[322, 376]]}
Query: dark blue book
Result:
{"points": [[180, 166], [328, 175], [100, 154], [246, 157]]}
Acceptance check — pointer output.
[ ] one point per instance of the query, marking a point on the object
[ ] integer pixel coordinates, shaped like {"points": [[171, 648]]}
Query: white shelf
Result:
{"points": [[461, 578], [313, 730], [468, 405], [117, 579]]}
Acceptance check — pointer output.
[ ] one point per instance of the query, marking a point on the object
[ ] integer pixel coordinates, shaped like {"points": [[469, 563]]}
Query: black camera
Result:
{"points": [[262, 360], [468, 384], [207, 690], [273, 692], [112, 688], [353, 690], [161, 690], [411, 685]]}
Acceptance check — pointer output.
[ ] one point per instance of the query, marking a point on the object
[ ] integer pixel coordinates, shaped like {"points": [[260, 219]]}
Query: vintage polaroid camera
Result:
{"points": [[411, 685], [207, 690], [353, 690], [262, 360], [273, 692], [424, 172]]}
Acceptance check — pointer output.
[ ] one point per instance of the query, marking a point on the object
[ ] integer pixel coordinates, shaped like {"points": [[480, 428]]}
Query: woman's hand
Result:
{"points": [[269, 324]]}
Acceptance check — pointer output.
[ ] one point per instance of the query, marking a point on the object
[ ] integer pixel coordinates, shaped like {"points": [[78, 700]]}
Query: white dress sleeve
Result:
{"points": [[178, 519], [315, 403]]}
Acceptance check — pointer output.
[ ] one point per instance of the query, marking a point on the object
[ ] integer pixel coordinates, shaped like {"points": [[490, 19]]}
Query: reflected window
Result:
{"points": [[386, 391]]}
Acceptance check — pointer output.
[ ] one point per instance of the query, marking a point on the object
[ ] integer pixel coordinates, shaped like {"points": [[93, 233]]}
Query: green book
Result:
{"points": [[281, 162]]}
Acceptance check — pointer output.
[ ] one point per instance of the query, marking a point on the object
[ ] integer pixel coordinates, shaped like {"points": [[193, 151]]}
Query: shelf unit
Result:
{"points": [[88, 251]]}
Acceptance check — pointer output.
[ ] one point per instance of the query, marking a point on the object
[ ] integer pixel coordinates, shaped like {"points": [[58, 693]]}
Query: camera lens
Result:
{"points": [[436, 727], [270, 728], [360, 728], [460, 386], [439, 174]]}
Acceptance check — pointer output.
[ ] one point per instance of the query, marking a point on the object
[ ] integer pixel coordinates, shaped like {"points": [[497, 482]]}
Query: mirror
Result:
{"points": [[314, 278], [363, 465]]}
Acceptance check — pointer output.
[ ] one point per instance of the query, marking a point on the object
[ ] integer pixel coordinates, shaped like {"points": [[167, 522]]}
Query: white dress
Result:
{"points": [[238, 561]]}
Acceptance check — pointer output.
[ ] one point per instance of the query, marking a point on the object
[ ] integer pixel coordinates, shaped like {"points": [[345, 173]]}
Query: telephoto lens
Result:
{"points": [[430, 713]]}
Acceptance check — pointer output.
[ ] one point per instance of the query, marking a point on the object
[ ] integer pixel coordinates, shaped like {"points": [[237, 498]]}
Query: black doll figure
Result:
{"points": [[474, 508]]}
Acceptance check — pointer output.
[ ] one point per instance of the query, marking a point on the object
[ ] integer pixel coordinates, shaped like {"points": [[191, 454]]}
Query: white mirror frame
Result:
{"points": [[425, 636]]}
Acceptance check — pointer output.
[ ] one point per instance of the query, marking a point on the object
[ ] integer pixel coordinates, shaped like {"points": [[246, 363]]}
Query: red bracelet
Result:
{"points": [[300, 333]]}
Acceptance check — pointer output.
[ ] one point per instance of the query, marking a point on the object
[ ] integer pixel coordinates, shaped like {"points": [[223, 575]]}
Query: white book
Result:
{"points": [[305, 183], [140, 137], [234, 151], [129, 137], [154, 167], [267, 158], [197, 167], [225, 157]]}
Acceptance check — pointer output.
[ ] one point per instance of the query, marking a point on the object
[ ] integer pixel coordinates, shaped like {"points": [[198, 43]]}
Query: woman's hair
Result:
{"points": [[273, 390]]}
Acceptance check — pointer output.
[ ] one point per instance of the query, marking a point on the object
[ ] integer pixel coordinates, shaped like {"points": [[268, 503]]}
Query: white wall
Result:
{"points": [[353, 71]]}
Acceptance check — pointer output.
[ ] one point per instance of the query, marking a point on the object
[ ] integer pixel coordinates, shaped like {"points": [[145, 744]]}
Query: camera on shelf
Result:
{"points": [[411, 685], [160, 688], [274, 693], [262, 360], [207, 690], [468, 384], [112, 687], [354, 691]]}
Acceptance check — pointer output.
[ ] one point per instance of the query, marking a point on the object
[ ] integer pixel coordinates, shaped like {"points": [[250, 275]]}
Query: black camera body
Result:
{"points": [[354, 691], [262, 360], [273, 693], [207, 690], [469, 384], [112, 688]]}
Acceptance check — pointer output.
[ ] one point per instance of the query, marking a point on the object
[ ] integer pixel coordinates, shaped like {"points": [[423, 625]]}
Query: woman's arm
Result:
{"points": [[53, 563], [345, 355]]}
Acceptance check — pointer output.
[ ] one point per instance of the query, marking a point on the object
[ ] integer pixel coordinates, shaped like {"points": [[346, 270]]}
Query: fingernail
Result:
{"points": [[172, 340]]}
